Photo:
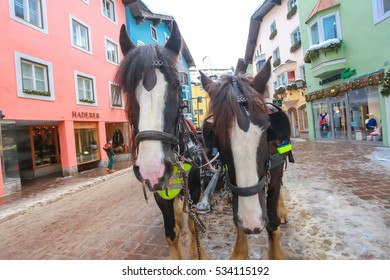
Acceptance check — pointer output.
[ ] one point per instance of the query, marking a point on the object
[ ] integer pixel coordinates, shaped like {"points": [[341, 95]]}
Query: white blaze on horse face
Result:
{"points": [[151, 117], [244, 147]]}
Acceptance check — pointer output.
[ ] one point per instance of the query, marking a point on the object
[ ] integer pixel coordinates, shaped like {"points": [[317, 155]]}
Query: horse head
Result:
{"points": [[239, 129], [149, 76]]}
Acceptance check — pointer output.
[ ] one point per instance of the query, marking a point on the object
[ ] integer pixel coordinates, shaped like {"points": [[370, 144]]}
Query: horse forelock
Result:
{"points": [[225, 108]]}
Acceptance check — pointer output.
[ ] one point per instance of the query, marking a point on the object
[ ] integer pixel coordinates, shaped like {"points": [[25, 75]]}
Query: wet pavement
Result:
{"points": [[337, 195]]}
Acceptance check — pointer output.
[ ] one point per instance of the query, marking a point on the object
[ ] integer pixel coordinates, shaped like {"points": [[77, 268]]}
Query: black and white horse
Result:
{"points": [[148, 75]]}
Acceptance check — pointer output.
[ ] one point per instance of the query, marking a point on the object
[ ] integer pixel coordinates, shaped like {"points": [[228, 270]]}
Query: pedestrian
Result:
{"points": [[110, 153]]}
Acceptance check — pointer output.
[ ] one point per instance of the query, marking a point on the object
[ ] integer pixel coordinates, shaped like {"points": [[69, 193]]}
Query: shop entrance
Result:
{"points": [[339, 119]]}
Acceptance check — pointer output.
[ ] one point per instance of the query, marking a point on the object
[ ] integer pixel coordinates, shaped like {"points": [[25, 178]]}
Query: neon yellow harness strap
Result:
{"points": [[175, 184], [284, 147]]}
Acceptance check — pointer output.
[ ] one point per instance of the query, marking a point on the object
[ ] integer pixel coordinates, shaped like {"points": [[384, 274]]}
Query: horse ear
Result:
{"points": [[206, 81], [259, 82], [174, 41], [124, 41]]}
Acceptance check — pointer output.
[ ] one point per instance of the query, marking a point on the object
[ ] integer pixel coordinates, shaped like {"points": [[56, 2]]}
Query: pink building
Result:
{"points": [[57, 97]]}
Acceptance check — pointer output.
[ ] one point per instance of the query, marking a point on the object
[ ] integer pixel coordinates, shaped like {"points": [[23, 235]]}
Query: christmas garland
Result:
{"points": [[295, 46], [313, 54], [292, 12], [339, 90], [273, 34], [386, 85], [276, 63]]}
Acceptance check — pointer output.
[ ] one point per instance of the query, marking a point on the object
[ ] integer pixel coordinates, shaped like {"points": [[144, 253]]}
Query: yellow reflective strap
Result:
{"points": [[169, 194]]}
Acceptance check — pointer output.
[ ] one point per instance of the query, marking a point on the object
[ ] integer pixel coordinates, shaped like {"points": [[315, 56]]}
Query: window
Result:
{"points": [[325, 28], [166, 37], [296, 37], [273, 27], [282, 79], [87, 142], [260, 64], [30, 12], [183, 78], [291, 4], [381, 10], [276, 54], [185, 89], [109, 8], [80, 35], [45, 145], [291, 76], [112, 53], [34, 77], [260, 49], [85, 89], [85, 1], [153, 31], [116, 98]]}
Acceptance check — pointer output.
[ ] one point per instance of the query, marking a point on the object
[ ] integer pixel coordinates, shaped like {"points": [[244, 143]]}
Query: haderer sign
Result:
{"points": [[85, 115]]}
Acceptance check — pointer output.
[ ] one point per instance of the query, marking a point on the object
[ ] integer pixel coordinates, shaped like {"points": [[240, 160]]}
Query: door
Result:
{"points": [[339, 119]]}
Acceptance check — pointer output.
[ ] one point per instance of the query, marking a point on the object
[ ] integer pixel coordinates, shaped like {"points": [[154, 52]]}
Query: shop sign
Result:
{"points": [[330, 79], [85, 115]]}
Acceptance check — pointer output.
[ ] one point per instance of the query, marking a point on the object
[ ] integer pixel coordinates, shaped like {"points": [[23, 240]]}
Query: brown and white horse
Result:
{"points": [[241, 130]]}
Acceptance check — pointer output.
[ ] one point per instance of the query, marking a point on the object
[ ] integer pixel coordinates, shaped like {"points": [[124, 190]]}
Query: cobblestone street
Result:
{"points": [[337, 195]]}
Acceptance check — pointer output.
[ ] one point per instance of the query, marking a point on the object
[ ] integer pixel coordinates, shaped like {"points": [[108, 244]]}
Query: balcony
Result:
{"points": [[326, 58]]}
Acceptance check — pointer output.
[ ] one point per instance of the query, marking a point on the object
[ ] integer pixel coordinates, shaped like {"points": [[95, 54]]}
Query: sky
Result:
{"points": [[215, 31]]}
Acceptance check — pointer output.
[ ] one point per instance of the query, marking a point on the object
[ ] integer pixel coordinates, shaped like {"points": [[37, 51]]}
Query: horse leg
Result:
{"points": [[241, 250], [172, 230], [273, 228], [194, 185], [282, 211], [275, 249]]}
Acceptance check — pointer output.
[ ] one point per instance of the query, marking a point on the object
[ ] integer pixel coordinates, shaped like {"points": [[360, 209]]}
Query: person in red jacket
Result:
{"points": [[110, 153]]}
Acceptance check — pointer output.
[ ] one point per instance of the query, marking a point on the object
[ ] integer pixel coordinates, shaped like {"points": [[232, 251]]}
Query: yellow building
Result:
{"points": [[199, 104]]}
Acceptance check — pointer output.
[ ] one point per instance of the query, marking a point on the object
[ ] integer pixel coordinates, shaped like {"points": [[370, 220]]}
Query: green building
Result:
{"points": [[347, 65]]}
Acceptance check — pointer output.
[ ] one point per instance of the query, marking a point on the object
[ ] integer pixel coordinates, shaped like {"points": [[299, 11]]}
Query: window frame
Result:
{"points": [[291, 6], [78, 74], [89, 33], [109, 40], [273, 26], [297, 30], [43, 16], [153, 29], [115, 20], [321, 32], [378, 10], [112, 105], [19, 76], [274, 56]]}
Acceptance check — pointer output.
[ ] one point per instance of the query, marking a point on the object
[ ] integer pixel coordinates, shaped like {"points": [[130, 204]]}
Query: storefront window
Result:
{"points": [[321, 119], [8, 151], [87, 146], [119, 134], [365, 113], [45, 145]]}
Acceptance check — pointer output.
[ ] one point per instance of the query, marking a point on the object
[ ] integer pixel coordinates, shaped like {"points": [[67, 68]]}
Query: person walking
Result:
{"points": [[110, 153]]}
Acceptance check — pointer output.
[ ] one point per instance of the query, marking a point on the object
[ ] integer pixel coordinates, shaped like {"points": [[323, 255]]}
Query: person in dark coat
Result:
{"points": [[110, 153]]}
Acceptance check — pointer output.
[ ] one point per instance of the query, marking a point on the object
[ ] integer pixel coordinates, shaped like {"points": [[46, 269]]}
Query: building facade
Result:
{"points": [[145, 27], [275, 31], [347, 68], [58, 98]]}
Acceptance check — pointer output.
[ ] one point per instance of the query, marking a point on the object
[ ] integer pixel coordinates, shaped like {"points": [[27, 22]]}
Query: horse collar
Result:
{"points": [[243, 120]]}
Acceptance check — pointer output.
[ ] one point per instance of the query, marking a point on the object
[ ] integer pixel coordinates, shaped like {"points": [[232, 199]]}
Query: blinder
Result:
{"points": [[243, 120]]}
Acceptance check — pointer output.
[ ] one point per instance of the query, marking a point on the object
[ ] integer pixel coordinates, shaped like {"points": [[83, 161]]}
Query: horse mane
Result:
{"points": [[135, 66]]}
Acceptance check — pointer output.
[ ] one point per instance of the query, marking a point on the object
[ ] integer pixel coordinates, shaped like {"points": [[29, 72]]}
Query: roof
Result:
{"points": [[254, 26], [140, 12], [322, 5]]}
